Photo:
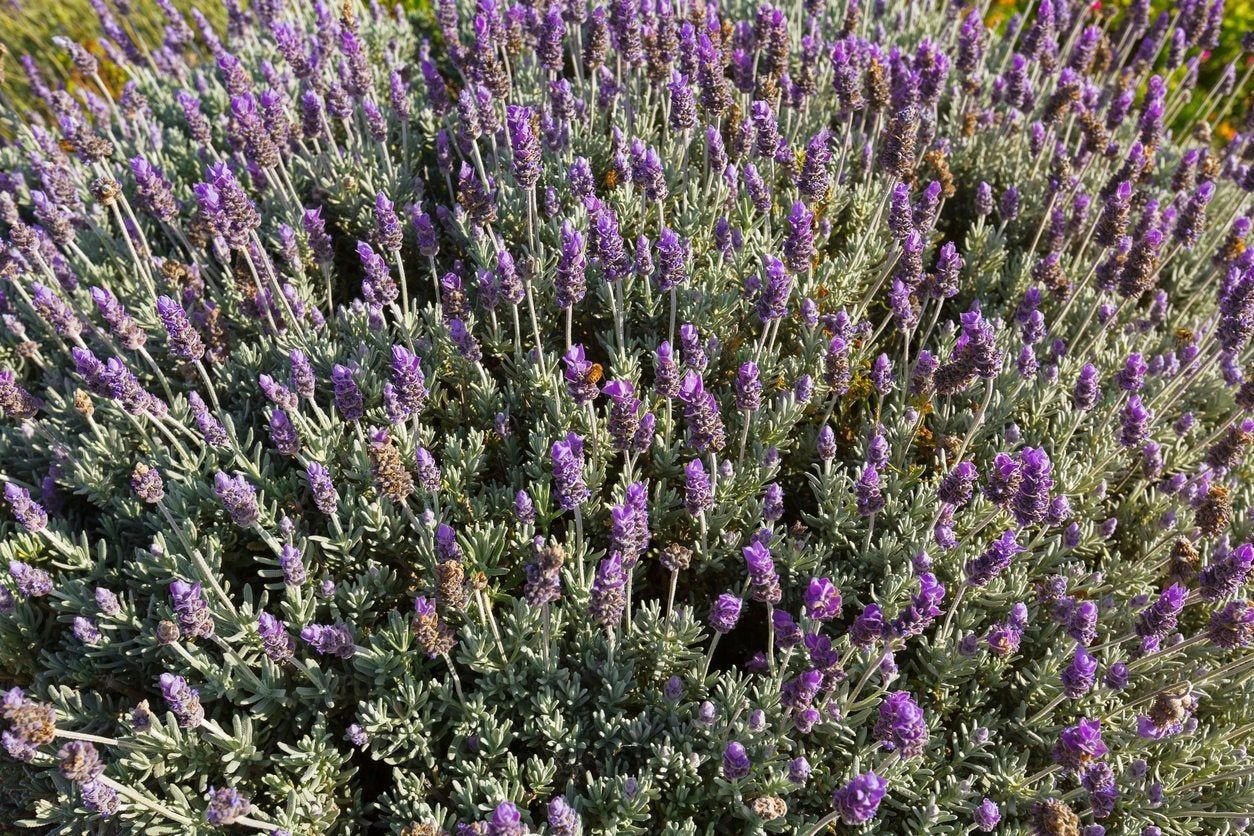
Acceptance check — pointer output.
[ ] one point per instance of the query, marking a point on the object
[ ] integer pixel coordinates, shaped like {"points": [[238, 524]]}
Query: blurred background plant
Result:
{"points": [[1238, 22], [28, 26]]}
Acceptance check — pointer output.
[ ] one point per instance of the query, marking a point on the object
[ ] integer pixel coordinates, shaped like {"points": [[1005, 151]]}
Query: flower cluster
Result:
{"points": [[663, 417]]}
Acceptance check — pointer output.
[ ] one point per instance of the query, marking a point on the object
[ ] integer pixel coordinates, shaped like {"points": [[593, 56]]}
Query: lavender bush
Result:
{"points": [[639, 418]]}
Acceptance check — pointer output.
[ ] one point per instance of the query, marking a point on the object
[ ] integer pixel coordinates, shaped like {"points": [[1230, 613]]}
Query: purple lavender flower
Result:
{"points": [[562, 818], [283, 433], [803, 389], [277, 393], [330, 640], [763, 579], [226, 207], [787, 630], [124, 329], [672, 269], [184, 342], [1116, 677], [31, 581], [275, 640], [524, 508], [100, 798], [1226, 573], [992, 561], [736, 764], [987, 815], [570, 280], [607, 598], [958, 485], [544, 574], [293, 566], [799, 242], [1079, 675], [624, 418], [1004, 637], [868, 628], [238, 497], [629, 524], [694, 354], [705, 425], [580, 383], [425, 232], [107, 601], [80, 762], [348, 398], [1233, 626], [983, 191], [901, 726], [53, 310], [1086, 394], [325, 497], [1160, 618], [428, 470], [387, 226], [748, 387], [1192, 215], [1079, 745], [815, 177], [666, 371], [859, 800], [191, 609], [15, 401], [568, 479], [320, 243], [827, 445], [697, 494], [1113, 220], [183, 701], [28, 513], [407, 385], [465, 342], [822, 599], [1098, 780], [226, 806], [776, 286], [1132, 376], [882, 374], [867, 490], [725, 613], [211, 428], [378, 287], [1031, 500], [506, 820], [606, 241], [524, 144], [648, 172], [1081, 622], [156, 194]]}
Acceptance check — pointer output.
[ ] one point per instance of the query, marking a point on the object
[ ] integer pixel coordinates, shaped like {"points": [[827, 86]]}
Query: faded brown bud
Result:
{"points": [[1053, 818], [769, 807], [82, 402], [1215, 512]]}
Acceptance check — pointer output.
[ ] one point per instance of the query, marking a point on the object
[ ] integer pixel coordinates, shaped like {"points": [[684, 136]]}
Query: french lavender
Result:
{"points": [[659, 417]]}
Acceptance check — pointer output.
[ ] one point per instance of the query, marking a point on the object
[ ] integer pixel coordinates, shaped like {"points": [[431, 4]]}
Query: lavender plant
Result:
{"points": [[631, 418]]}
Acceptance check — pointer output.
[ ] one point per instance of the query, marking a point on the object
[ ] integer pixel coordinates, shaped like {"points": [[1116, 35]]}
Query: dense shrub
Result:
{"points": [[629, 419]]}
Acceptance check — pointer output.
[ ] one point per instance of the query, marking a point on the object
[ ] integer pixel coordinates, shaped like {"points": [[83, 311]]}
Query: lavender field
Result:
{"points": [[661, 417]]}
